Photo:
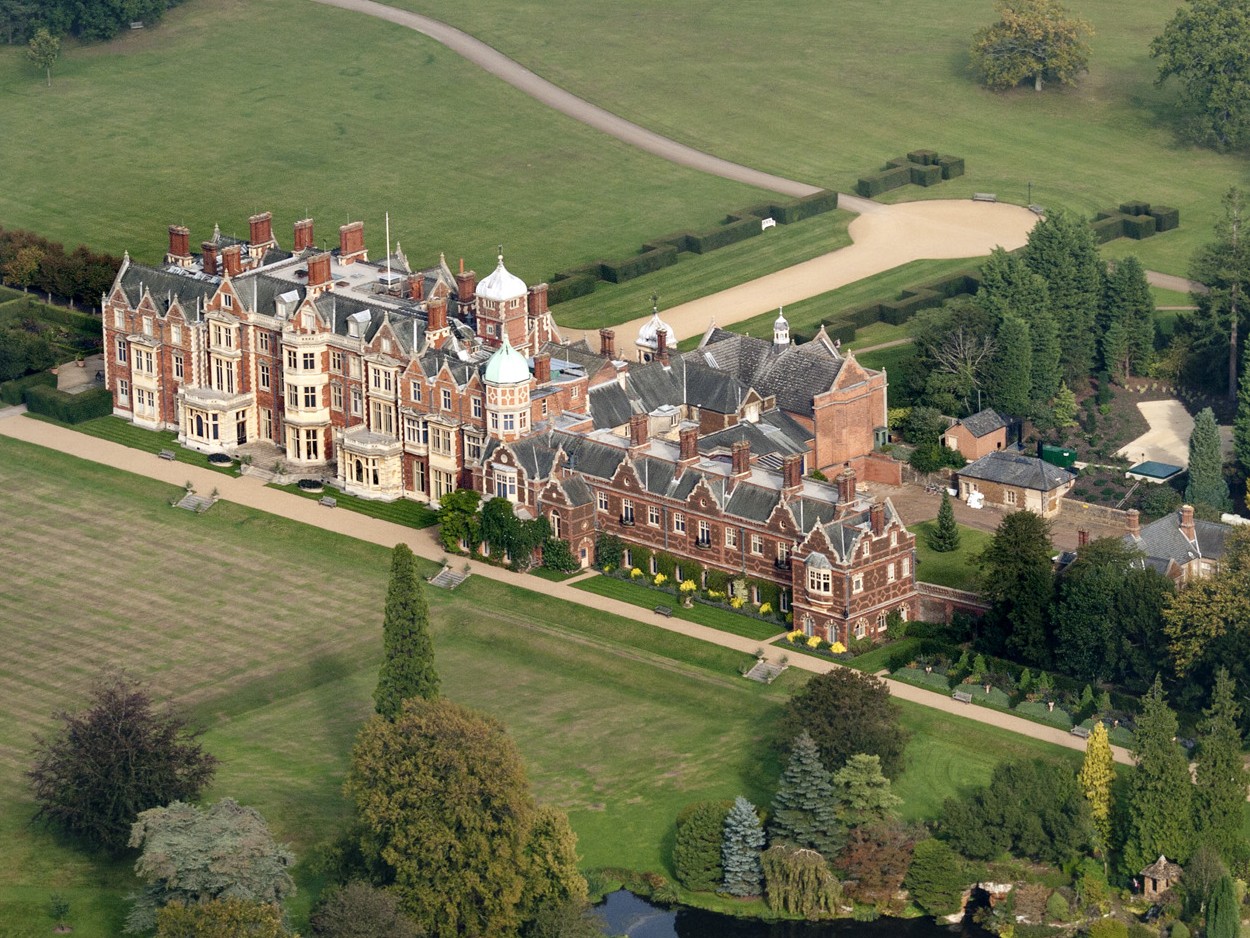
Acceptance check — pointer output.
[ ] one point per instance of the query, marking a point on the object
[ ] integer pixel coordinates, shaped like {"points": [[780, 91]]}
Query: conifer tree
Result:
{"points": [[1220, 794], [1009, 375], [1160, 794], [1126, 321], [1017, 578], [863, 791], [408, 654], [740, 853], [1223, 910], [1062, 249], [944, 536], [805, 809], [1063, 410], [1241, 423], [1096, 777], [1010, 288], [1206, 465]]}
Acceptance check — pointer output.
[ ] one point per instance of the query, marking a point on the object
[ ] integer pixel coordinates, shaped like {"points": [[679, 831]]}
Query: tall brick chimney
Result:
{"points": [[536, 300], [231, 259], [466, 285], [639, 427], [352, 243], [688, 440], [436, 315], [179, 245], [740, 457], [661, 346], [1187, 522], [319, 273], [607, 343], [210, 257], [303, 235], [1082, 537], [1132, 519], [260, 228], [876, 518], [542, 368], [846, 485], [416, 287], [792, 473]]}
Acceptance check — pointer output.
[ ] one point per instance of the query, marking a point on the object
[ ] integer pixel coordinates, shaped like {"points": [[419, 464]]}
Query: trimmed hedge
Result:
{"points": [[567, 287], [23, 306], [952, 166], [807, 207], [1166, 218], [652, 258], [1138, 226], [734, 229], [884, 181], [923, 157], [1135, 220], [923, 168], [11, 392], [925, 175], [1134, 208], [1108, 229], [68, 408]]}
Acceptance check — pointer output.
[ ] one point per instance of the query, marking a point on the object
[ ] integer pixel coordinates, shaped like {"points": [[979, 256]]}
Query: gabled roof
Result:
{"points": [[984, 422], [793, 374], [1163, 540], [1013, 469]]}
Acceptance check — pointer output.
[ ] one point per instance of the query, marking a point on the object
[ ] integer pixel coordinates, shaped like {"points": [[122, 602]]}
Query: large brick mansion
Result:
{"points": [[411, 383]]}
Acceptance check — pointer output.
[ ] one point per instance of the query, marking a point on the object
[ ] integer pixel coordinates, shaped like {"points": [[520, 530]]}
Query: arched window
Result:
{"points": [[557, 527], [199, 425], [360, 471], [807, 624]]}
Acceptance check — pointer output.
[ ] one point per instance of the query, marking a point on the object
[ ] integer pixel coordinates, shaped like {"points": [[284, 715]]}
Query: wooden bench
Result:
{"points": [[1081, 731], [666, 611], [962, 696], [167, 454], [328, 501], [984, 197], [1037, 209]]}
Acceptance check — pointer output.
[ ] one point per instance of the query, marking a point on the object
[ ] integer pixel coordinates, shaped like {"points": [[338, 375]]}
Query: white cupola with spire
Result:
{"points": [[501, 307], [656, 338], [501, 285], [507, 377], [781, 330]]}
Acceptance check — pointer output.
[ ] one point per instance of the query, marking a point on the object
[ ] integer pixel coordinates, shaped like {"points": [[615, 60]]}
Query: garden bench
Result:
{"points": [[984, 197], [666, 611], [962, 696], [167, 454], [327, 500], [1037, 209], [1081, 731]]}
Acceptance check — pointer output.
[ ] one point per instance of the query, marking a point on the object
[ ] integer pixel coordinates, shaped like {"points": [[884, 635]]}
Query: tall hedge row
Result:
{"points": [[918, 168], [68, 408], [11, 392]]}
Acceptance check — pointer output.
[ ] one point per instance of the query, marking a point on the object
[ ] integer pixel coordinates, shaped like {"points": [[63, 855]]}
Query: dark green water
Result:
{"points": [[626, 914]]}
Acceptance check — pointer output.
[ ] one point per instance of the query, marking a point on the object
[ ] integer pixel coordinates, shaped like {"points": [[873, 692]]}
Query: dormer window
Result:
{"points": [[820, 580]]}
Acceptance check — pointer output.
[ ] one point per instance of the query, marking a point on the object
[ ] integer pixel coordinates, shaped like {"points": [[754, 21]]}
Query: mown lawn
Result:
{"points": [[954, 568], [268, 632], [119, 430], [766, 91], [402, 511]]}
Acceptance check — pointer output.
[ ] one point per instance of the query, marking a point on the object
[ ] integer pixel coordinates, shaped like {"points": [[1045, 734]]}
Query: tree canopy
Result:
{"points": [[1035, 40], [1207, 485], [43, 50], [740, 850], [1206, 48], [359, 910], [222, 918], [1221, 778], [1160, 794], [407, 652], [804, 810], [1062, 250], [847, 712], [103, 765], [1016, 576]]}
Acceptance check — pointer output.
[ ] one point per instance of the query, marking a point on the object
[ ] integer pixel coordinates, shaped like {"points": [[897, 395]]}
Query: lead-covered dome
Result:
{"points": [[501, 285], [651, 328], [507, 366]]}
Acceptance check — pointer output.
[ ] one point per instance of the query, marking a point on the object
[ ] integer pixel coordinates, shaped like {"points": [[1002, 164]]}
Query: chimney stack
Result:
{"points": [[179, 245], [639, 429], [1133, 518], [536, 301], [876, 518], [1082, 537], [352, 243], [319, 273], [303, 235], [466, 285], [740, 456], [542, 368], [1187, 523], [210, 257], [792, 473], [661, 346], [846, 485], [688, 439], [260, 228], [607, 343], [436, 316], [416, 287], [231, 260]]}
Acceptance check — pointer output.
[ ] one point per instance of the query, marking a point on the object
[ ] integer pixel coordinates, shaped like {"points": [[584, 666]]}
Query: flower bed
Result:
{"points": [[1036, 710], [932, 679], [311, 485]]}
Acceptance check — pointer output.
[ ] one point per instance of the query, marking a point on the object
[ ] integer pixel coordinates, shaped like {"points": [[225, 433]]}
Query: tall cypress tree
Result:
{"points": [[1126, 320], [1017, 577], [1009, 287], [1096, 777], [1223, 910], [407, 652], [1009, 376], [1220, 794], [740, 853], [1160, 794], [1062, 250], [804, 808], [1206, 465], [944, 536], [1241, 424]]}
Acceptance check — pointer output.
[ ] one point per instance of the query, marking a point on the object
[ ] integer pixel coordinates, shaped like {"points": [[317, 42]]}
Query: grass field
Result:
{"points": [[954, 568], [767, 91], [268, 632], [345, 118]]}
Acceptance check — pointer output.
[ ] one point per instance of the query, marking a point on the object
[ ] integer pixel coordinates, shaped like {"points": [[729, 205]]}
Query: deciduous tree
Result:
{"points": [[1206, 465], [43, 50], [459, 522], [1200, 617], [740, 852], [1037, 40], [1160, 794], [875, 861], [1096, 777], [191, 855], [1206, 47], [222, 918], [804, 811], [797, 882], [848, 712], [359, 910], [407, 652], [103, 765], [1220, 793]]}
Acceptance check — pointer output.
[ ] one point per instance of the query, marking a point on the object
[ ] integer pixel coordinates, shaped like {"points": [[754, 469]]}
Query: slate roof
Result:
{"points": [[578, 492], [752, 501], [765, 438], [793, 374], [843, 533], [1163, 540], [165, 284], [984, 422], [1012, 469]]}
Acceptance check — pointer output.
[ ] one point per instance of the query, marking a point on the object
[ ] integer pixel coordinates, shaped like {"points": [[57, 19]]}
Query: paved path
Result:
{"points": [[251, 492], [1167, 440], [1177, 284]]}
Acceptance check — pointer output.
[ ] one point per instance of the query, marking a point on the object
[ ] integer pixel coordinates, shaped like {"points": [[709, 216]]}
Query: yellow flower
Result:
{"points": [[813, 642], [837, 648], [688, 586], [765, 608], [737, 602], [635, 573], [659, 579]]}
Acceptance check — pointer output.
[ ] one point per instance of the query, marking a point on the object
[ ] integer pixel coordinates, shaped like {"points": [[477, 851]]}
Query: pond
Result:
{"points": [[627, 914]]}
